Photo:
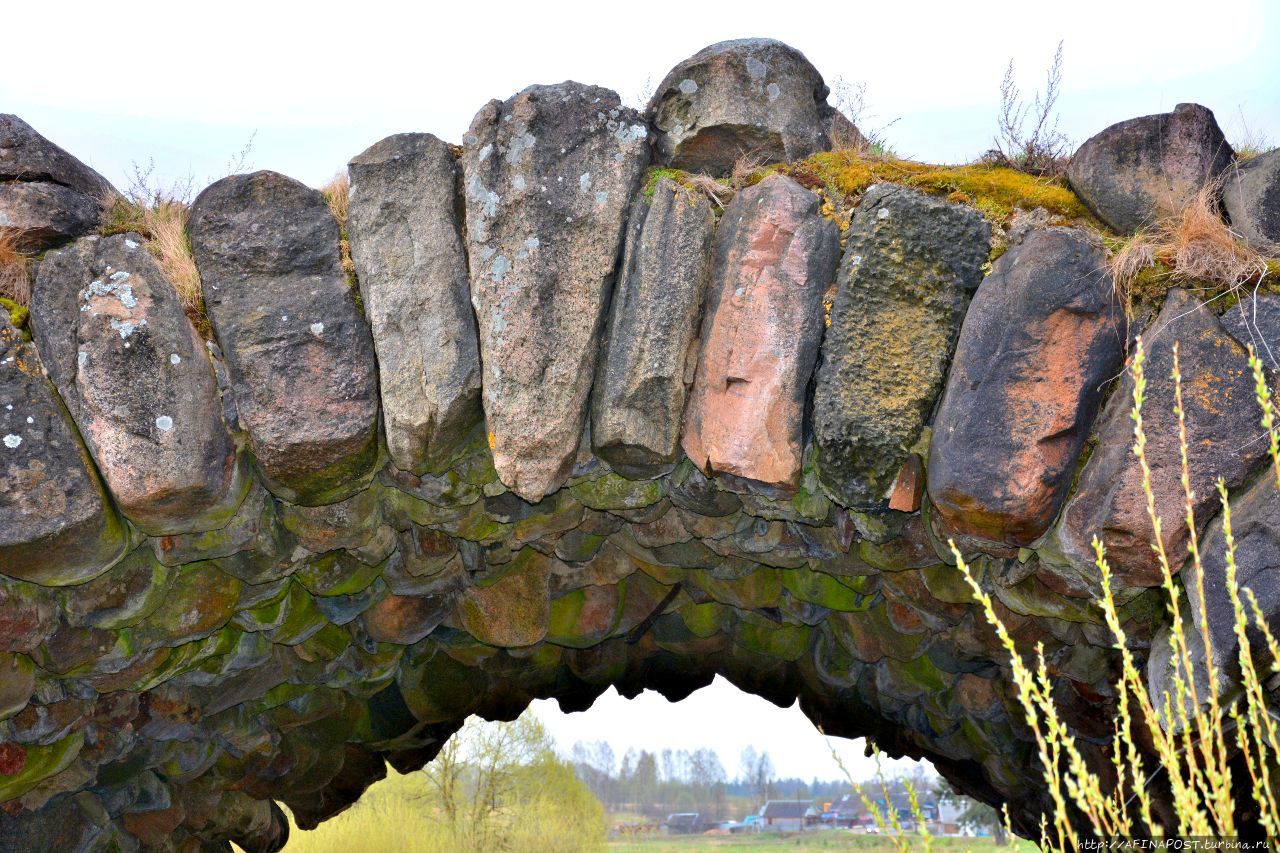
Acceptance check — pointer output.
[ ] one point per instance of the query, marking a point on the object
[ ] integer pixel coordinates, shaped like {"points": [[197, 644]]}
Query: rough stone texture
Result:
{"points": [[167, 699], [56, 524], [1136, 171], [1222, 428], [40, 215], [909, 262], [650, 352], [549, 177], [299, 353], [139, 384], [1042, 339], [1255, 527], [753, 97], [409, 258], [1255, 321], [1251, 198], [46, 195], [773, 257]]}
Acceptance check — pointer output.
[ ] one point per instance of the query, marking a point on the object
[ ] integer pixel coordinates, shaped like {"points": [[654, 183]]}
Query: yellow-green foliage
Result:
{"points": [[499, 787], [1188, 737]]}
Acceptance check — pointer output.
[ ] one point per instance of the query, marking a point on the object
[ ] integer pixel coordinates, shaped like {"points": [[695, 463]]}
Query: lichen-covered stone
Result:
{"points": [[910, 261], [57, 526], [17, 683], [650, 350], [773, 257], [1221, 423], [549, 175], [300, 355], [138, 382], [407, 249], [1251, 198], [756, 98], [1041, 340], [1139, 170]]}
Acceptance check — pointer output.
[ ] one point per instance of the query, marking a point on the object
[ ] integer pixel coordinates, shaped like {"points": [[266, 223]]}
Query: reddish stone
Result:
{"points": [[773, 256], [908, 487], [404, 620], [976, 694], [12, 759], [1042, 339]]}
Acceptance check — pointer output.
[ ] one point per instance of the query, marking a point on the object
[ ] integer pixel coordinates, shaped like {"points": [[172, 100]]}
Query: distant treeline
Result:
{"points": [[653, 784]]}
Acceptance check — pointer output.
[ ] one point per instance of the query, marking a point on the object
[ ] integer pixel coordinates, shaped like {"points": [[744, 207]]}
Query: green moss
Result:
{"points": [[996, 191], [40, 763], [18, 315]]}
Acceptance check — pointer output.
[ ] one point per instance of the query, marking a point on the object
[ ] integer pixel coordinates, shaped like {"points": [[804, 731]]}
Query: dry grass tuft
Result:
{"points": [[15, 279], [745, 168], [338, 194], [1195, 246], [160, 214]]}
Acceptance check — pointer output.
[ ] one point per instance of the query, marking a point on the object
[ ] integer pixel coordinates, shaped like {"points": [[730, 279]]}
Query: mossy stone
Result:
{"points": [[40, 763], [825, 590], [615, 492]]}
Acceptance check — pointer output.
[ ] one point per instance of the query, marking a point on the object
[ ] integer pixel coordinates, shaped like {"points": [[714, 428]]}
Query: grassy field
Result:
{"points": [[807, 842]]}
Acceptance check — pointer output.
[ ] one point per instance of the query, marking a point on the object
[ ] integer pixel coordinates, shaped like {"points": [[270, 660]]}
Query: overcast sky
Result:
{"points": [[315, 83], [187, 84]]}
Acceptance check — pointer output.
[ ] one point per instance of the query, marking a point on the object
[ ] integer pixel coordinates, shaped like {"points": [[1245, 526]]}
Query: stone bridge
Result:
{"points": [[557, 422]]}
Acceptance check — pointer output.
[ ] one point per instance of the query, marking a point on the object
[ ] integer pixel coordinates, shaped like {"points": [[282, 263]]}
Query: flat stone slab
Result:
{"points": [[774, 255], [650, 351], [57, 526], [1042, 339], [138, 382], [549, 174], [910, 261], [407, 248], [299, 354]]}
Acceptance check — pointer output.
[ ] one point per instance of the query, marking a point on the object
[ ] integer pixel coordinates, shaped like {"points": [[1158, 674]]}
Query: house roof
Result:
{"points": [[785, 809], [682, 819]]}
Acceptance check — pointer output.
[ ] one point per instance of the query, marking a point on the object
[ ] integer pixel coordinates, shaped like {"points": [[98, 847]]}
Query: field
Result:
{"points": [[807, 842]]}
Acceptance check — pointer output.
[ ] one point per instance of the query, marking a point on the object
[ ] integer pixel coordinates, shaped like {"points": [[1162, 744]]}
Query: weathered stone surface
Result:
{"points": [[1041, 340], [40, 215], [1136, 171], [46, 195], [756, 97], [773, 257], [1255, 321], [299, 353], [549, 177], [650, 351], [1221, 418], [1251, 198], [56, 524], [909, 262], [408, 254], [1255, 527], [139, 384]]}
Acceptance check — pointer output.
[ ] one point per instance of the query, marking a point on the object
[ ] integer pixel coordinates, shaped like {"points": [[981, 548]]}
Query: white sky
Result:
{"points": [[186, 84], [719, 717]]}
